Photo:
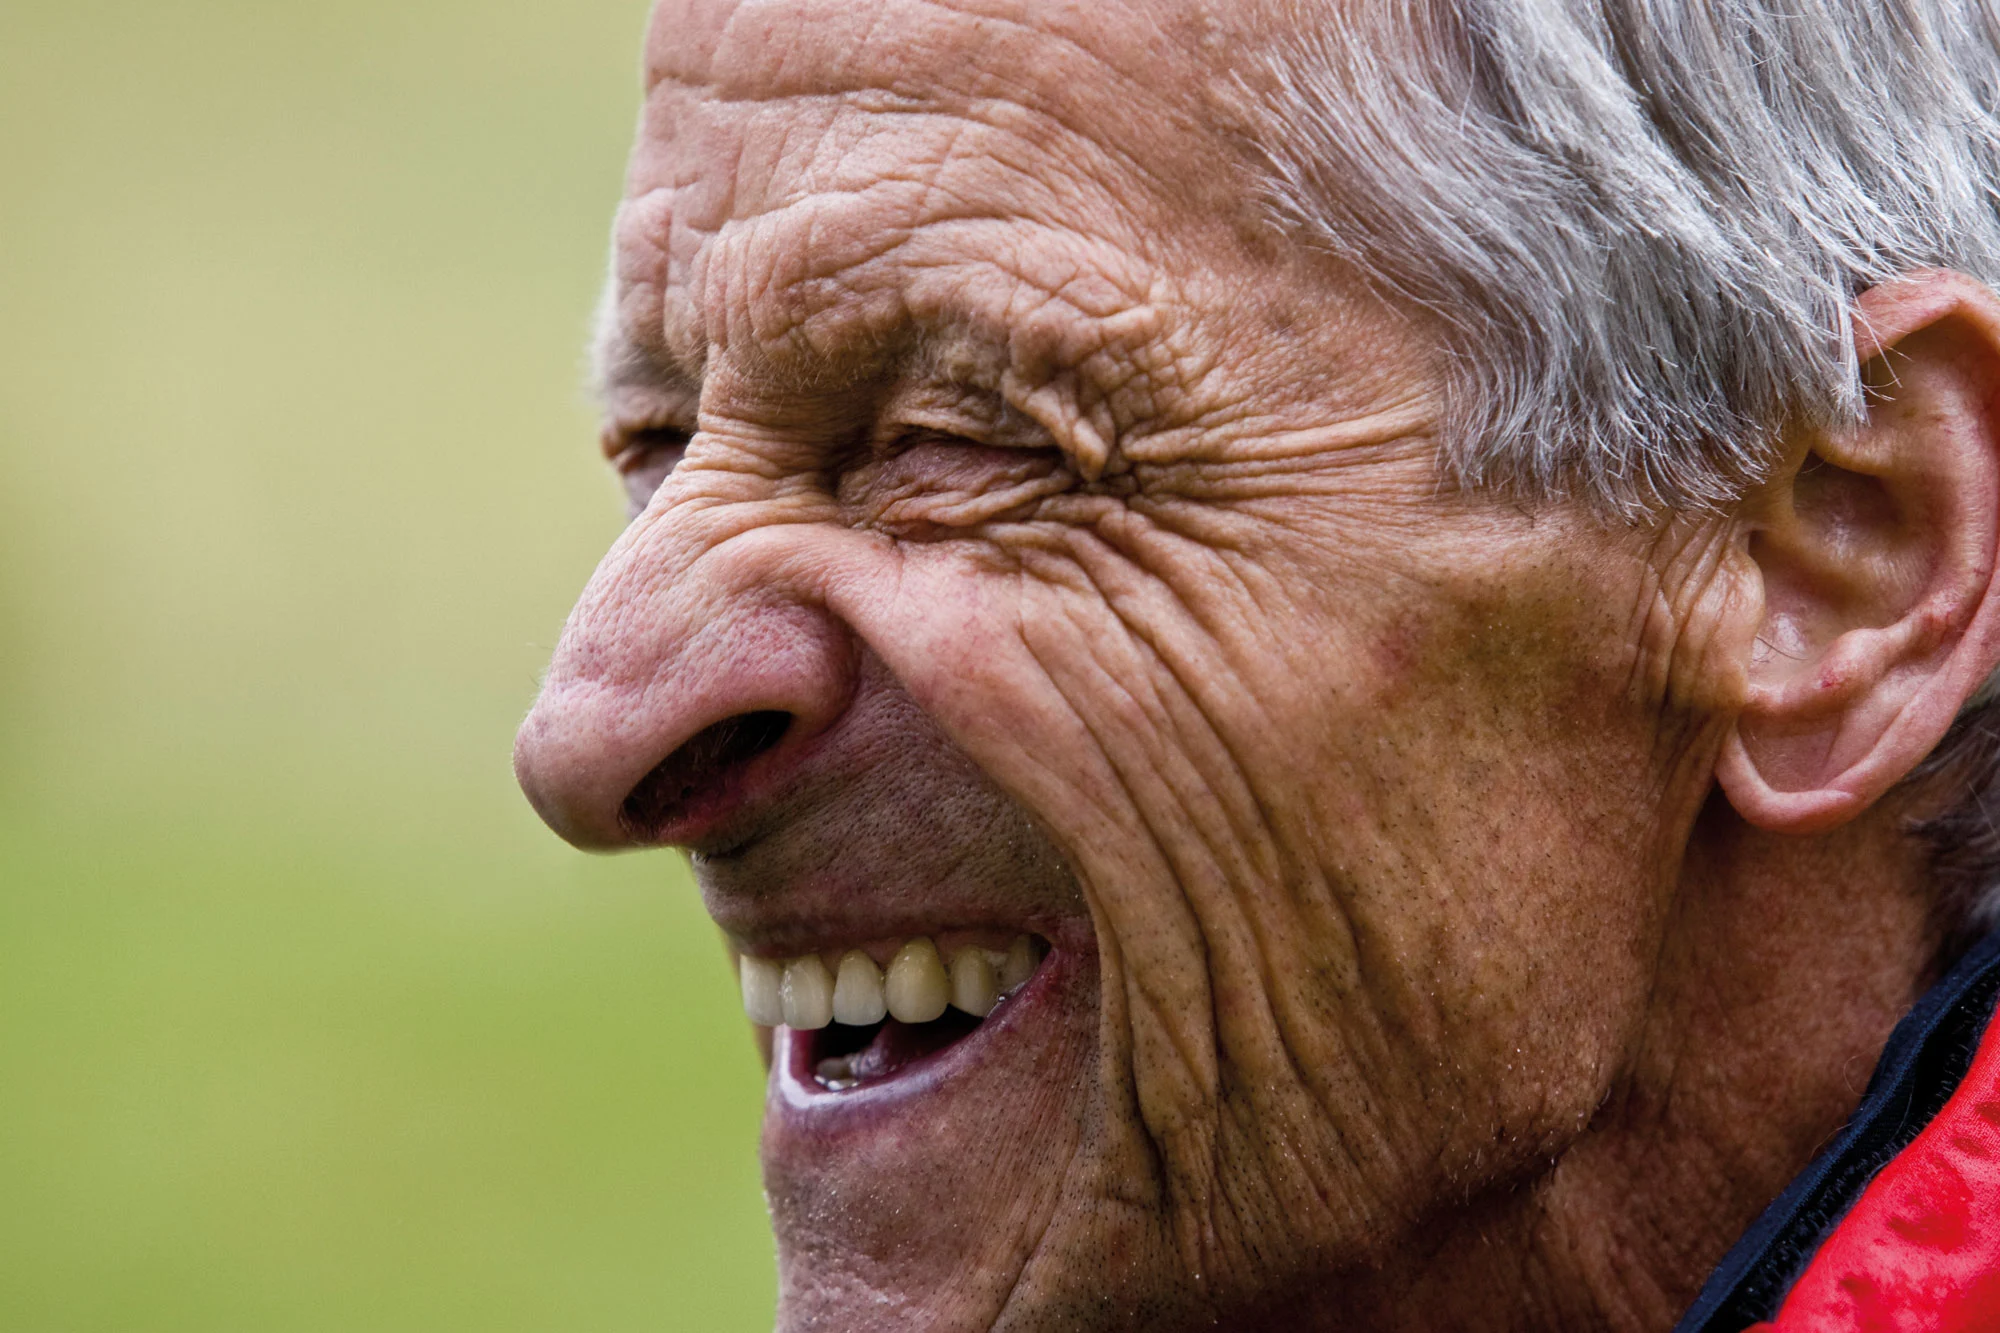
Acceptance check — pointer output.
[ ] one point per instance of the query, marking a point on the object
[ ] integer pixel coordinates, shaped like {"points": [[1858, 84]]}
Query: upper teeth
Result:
{"points": [[803, 993], [857, 991]]}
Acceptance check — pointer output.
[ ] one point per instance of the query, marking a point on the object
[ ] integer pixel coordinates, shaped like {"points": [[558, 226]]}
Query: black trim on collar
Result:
{"points": [[1920, 1068]]}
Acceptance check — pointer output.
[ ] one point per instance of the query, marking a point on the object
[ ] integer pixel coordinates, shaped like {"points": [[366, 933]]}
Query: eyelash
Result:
{"points": [[647, 458]]}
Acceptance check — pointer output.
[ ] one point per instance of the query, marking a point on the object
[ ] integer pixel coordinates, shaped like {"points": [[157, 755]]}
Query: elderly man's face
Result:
{"points": [[1097, 550]]}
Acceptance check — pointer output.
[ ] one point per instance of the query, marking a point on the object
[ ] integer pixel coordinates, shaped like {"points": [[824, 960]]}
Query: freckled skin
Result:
{"points": [[1097, 545]]}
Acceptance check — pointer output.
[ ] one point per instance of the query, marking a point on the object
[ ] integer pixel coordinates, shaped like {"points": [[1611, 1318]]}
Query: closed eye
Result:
{"points": [[930, 485], [644, 460]]}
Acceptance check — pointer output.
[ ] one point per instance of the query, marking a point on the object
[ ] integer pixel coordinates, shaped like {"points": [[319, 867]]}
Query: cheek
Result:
{"points": [[1373, 853], [1489, 809]]}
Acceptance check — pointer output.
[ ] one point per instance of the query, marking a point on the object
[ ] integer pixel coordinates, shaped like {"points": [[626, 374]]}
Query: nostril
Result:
{"points": [[700, 766]]}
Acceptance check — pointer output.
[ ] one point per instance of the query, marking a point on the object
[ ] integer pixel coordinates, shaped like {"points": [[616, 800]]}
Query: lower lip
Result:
{"points": [[1027, 1016]]}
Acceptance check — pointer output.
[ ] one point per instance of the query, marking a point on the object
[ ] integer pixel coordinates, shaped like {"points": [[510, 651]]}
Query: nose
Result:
{"points": [[666, 686]]}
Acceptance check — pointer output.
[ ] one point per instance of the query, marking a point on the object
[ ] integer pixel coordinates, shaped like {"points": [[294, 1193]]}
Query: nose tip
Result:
{"points": [[643, 719], [561, 784]]}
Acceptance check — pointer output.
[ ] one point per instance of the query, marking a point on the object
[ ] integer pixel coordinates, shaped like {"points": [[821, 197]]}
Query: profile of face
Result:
{"points": [[1229, 847]]}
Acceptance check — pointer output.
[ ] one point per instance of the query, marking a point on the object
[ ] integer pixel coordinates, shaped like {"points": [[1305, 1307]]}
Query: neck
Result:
{"points": [[1784, 965]]}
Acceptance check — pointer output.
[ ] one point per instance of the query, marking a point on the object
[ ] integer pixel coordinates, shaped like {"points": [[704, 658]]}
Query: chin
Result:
{"points": [[916, 1194]]}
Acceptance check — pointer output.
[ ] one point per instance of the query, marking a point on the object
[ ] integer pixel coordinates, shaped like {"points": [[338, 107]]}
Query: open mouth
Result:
{"points": [[864, 1015]]}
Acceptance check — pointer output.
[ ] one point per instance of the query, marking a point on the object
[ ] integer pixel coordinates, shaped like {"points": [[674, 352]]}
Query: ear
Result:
{"points": [[1876, 547]]}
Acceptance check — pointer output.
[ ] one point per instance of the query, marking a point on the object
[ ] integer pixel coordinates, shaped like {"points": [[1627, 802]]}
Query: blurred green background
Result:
{"points": [[305, 1023]]}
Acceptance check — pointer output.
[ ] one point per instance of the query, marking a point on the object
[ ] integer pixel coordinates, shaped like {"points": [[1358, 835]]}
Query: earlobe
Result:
{"points": [[1762, 804], [1812, 778], [1876, 549]]}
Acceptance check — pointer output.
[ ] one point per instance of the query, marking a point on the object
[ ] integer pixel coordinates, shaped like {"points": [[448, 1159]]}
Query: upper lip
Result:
{"points": [[872, 829], [826, 923], [788, 889]]}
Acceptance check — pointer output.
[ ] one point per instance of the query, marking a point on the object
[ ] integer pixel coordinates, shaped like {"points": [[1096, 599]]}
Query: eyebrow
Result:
{"points": [[617, 363], [616, 360], [635, 373], [632, 385]]}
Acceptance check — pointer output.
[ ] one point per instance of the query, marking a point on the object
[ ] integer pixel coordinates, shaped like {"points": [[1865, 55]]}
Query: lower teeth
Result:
{"points": [[866, 1054], [837, 1074]]}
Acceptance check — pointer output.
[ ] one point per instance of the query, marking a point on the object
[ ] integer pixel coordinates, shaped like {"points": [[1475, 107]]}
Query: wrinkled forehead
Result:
{"points": [[853, 125], [1139, 80]]}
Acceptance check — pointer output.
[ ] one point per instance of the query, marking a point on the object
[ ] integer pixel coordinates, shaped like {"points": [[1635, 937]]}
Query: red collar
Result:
{"points": [[1920, 1249]]}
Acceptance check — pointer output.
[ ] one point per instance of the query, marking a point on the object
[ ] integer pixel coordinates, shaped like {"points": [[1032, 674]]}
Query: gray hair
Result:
{"points": [[1638, 226]]}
